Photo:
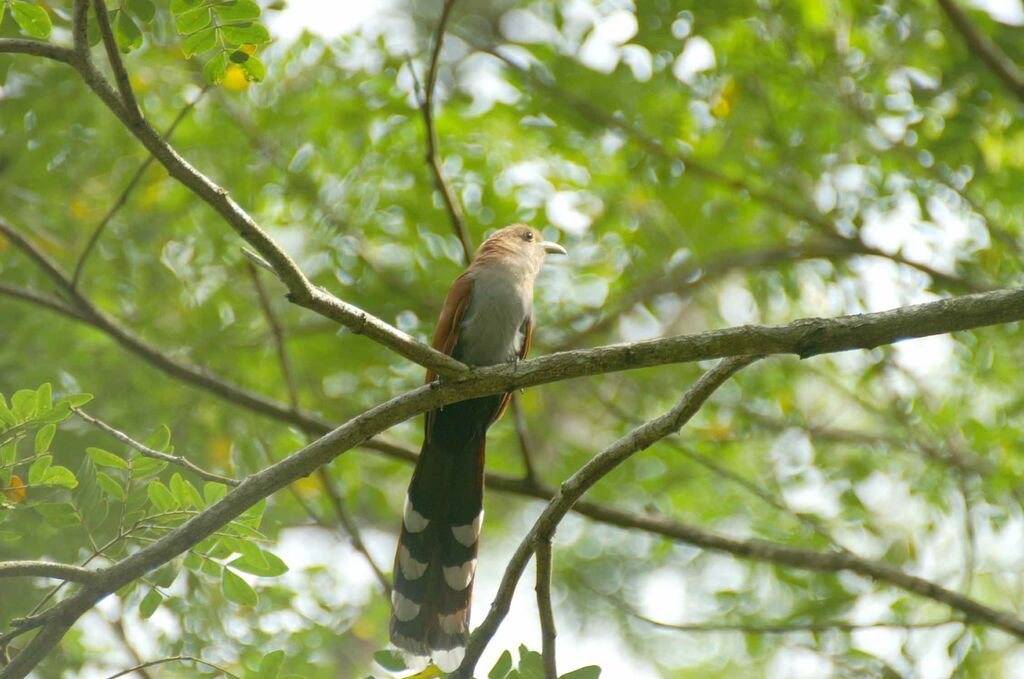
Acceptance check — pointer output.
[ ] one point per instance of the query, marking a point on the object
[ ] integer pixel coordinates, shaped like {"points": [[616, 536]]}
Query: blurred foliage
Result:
{"points": [[770, 127]]}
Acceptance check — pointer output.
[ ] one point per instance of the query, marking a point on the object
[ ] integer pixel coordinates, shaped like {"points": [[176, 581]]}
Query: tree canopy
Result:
{"points": [[771, 424]]}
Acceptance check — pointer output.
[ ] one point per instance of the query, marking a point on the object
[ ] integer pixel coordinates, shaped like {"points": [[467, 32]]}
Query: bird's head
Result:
{"points": [[517, 245]]}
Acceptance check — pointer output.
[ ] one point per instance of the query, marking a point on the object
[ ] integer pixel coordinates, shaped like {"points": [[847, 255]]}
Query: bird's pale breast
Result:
{"points": [[492, 326]]}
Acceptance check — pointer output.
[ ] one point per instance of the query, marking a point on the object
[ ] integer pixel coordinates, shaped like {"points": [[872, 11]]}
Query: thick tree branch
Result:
{"points": [[87, 312], [47, 569], [579, 483], [80, 29], [301, 290], [985, 49], [178, 460], [806, 338]]}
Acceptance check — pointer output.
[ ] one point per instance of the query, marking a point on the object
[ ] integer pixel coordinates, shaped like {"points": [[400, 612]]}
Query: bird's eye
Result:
{"points": [[527, 235]]}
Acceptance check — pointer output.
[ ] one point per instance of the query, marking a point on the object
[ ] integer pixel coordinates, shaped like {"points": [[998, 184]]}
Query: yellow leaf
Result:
{"points": [[722, 105], [309, 485], [219, 451], [430, 673], [16, 491], [717, 431], [248, 48], [234, 79]]}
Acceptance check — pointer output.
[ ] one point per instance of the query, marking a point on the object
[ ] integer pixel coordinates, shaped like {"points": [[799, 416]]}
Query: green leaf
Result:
{"points": [[253, 516], [78, 400], [159, 440], [270, 665], [166, 574], [145, 10], [110, 485], [58, 413], [237, 10], [588, 672], [193, 20], [502, 667], [254, 69], [199, 42], [143, 467], [24, 403], [6, 416], [60, 476], [127, 33], [181, 6], [106, 459], [32, 19], [9, 452], [183, 491], [3, 8], [193, 561], [37, 471], [44, 398], [59, 514], [44, 437], [150, 603], [390, 659], [214, 491], [531, 663], [240, 529], [245, 34], [271, 567], [215, 68], [238, 590], [161, 498]]}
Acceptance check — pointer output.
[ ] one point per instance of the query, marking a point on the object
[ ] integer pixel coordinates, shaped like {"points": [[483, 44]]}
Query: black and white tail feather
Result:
{"points": [[437, 547]]}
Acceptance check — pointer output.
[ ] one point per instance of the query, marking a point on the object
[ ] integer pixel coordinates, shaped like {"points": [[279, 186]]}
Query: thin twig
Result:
{"points": [[122, 635], [175, 658], [523, 435], [47, 569], [354, 534], [579, 483], [200, 376], [769, 197], [542, 549], [781, 628], [179, 460], [985, 48], [51, 303], [124, 85], [433, 153], [277, 332], [129, 187]]}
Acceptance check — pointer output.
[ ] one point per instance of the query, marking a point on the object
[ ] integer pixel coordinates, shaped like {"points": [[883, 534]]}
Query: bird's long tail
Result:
{"points": [[436, 557]]}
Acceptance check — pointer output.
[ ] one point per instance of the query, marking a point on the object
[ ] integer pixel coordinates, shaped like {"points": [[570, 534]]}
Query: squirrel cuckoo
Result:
{"points": [[487, 318]]}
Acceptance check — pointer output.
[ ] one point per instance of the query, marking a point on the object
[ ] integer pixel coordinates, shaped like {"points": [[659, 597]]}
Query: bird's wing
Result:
{"points": [[446, 336], [523, 350]]}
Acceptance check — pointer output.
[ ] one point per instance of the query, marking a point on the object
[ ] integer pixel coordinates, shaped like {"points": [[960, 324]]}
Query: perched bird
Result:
{"points": [[487, 319]]}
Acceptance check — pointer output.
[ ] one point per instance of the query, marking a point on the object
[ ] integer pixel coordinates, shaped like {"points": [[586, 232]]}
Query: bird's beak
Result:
{"points": [[554, 248]]}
